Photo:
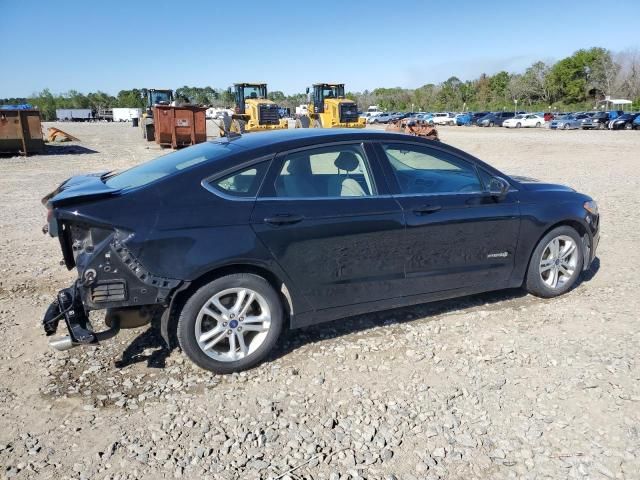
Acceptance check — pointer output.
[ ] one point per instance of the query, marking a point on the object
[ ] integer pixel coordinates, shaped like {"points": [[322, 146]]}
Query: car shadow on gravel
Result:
{"points": [[151, 348], [148, 347], [291, 340]]}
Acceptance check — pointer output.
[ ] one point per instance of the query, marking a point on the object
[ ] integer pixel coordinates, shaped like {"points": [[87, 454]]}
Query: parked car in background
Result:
{"points": [[495, 119], [623, 122], [443, 118], [599, 120], [526, 120], [567, 122], [227, 243], [380, 118], [477, 116], [636, 123], [464, 118], [548, 116]]}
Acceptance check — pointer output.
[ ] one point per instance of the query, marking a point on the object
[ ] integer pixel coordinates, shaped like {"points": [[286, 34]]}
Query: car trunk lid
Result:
{"points": [[78, 189]]}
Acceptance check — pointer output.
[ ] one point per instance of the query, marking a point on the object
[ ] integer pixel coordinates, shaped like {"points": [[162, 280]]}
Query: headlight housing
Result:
{"points": [[591, 206]]}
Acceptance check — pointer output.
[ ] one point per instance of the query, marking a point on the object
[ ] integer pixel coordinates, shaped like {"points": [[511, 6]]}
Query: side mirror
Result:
{"points": [[498, 187]]}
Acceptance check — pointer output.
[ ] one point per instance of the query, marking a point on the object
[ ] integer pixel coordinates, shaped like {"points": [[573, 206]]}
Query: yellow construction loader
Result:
{"points": [[328, 108], [254, 112], [153, 97]]}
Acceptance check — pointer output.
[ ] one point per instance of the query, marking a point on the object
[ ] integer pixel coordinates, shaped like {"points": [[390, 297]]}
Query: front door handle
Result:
{"points": [[426, 209], [284, 219]]}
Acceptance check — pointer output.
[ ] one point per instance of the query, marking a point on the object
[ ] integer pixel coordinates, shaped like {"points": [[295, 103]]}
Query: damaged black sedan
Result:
{"points": [[223, 244]]}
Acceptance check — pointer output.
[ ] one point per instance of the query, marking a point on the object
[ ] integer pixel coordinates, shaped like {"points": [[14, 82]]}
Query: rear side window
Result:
{"points": [[242, 184], [326, 172]]}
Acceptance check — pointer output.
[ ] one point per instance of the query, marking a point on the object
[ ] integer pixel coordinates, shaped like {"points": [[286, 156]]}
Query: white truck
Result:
{"points": [[126, 114], [74, 114]]}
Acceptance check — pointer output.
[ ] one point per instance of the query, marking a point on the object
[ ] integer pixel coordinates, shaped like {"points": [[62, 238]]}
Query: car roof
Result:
{"points": [[309, 136]]}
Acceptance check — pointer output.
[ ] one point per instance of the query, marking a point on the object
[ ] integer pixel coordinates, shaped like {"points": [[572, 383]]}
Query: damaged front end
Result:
{"points": [[109, 277]]}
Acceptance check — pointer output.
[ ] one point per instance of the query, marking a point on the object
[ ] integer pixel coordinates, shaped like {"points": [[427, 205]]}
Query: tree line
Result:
{"points": [[576, 82]]}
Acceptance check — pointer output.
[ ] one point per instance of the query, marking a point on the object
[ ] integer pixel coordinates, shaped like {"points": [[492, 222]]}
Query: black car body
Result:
{"points": [[623, 122], [348, 240], [599, 120], [494, 119]]}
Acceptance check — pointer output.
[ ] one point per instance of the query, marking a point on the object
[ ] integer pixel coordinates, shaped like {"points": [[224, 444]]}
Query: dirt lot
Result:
{"points": [[502, 385]]}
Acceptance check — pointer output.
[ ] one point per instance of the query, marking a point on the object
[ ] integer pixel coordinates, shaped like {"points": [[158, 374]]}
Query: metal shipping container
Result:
{"points": [[179, 126], [20, 131]]}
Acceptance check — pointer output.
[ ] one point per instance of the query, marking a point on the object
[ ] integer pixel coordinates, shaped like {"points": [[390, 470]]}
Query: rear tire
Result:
{"points": [[190, 330], [628, 126], [302, 122], [491, 124], [553, 270], [518, 125], [538, 125], [566, 126]]}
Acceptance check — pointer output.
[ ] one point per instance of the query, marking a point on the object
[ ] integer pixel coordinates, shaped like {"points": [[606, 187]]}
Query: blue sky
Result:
{"points": [[113, 45]]}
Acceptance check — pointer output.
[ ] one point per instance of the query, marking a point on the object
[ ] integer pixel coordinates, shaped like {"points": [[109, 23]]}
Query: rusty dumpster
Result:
{"points": [[20, 131], [179, 126]]}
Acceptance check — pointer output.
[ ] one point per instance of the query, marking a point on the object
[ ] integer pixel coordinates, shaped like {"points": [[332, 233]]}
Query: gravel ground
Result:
{"points": [[500, 385]]}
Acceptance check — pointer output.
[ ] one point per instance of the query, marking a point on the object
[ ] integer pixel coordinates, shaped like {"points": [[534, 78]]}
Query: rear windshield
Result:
{"points": [[166, 165]]}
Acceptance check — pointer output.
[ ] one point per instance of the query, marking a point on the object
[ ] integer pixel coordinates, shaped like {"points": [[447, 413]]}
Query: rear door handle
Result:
{"points": [[284, 219], [426, 209]]}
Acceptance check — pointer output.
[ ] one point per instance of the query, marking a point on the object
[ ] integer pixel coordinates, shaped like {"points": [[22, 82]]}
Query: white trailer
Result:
{"points": [[74, 114], [126, 114]]}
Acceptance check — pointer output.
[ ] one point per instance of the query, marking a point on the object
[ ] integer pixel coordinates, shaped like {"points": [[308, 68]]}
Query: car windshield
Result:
{"points": [[626, 116], [167, 164], [519, 116], [567, 117]]}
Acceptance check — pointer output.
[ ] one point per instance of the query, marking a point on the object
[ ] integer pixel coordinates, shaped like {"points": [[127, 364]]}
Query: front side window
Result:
{"points": [[423, 170], [328, 172], [242, 184]]}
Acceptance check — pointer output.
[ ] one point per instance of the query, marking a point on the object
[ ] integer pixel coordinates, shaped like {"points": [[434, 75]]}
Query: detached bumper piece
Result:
{"points": [[68, 305]]}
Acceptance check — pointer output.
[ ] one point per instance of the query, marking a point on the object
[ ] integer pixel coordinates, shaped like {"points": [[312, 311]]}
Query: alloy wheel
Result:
{"points": [[232, 324], [559, 261]]}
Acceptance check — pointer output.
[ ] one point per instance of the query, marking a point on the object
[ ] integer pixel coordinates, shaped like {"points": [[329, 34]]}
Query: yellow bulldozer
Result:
{"points": [[253, 112], [328, 108]]}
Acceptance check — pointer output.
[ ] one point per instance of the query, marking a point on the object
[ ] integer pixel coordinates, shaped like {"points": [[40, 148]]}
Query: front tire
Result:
{"points": [[556, 263], [231, 323]]}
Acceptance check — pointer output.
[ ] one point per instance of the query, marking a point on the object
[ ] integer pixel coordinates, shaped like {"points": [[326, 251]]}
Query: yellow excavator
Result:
{"points": [[254, 112], [328, 108]]}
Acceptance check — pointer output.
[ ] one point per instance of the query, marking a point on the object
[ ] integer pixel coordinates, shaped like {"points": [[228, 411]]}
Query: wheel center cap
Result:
{"points": [[557, 261], [233, 323]]}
